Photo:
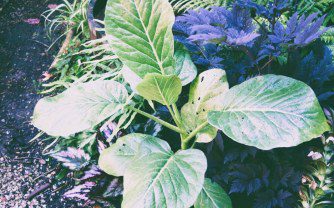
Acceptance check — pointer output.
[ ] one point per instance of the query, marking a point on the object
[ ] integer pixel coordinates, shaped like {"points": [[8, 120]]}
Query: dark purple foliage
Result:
{"points": [[203, 54], [205, 33], [317, 70], [272, 10], [219, 25], [272, 198], [72, 158], [93, 171], [228, 39], [80, 191], [299, 31], [248, 178], [269, 178], [114, 188]]}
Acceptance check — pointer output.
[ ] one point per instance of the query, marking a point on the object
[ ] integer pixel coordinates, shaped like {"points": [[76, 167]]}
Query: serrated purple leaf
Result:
{"points": [[114, 189], [92, 172], [72, 158], [80, 191]]}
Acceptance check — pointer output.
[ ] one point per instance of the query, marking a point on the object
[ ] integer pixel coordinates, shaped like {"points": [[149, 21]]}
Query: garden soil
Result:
{"points": [[23, 59]]}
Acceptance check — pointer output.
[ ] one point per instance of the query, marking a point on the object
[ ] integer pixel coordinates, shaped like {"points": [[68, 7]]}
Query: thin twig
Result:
{"points": [[266, 64], [41, 43], [45, 174], [250, 55], [38, 190]]}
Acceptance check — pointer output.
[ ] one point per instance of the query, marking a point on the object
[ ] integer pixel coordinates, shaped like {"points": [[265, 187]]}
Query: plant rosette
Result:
{"points": [[266, 112]]}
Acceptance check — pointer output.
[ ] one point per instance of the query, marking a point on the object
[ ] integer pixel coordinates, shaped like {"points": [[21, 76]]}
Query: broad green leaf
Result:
{"points": [[140, 34], [185, 69], [164, 89], [133, 79], [79, 108], [270, 111], [203, 97], [118, 156], [164, 179], [212, 196]]}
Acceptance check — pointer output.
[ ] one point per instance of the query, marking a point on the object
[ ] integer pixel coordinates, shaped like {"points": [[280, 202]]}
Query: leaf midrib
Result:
{"points": [[161, 94], [261, 110], [207, 193], [158, 175], [149, 39]]}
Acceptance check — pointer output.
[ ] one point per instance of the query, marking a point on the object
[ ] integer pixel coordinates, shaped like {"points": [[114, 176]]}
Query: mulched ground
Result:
{"points": [[23, 58]]}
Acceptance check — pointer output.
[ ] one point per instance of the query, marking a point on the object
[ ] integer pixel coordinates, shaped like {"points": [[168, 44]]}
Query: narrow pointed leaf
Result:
{"points": [[164, 179], [164, 89], [140, 34], [79, 108], [270, 111], [203, 97], [212, 196], [115, 159]]}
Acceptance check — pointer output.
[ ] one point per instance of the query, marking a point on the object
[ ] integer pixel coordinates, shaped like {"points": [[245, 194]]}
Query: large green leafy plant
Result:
{"points": [[266, 111]]}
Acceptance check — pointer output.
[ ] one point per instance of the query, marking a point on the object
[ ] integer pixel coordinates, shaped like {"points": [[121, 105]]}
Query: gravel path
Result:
{"points": [[23, 58]]}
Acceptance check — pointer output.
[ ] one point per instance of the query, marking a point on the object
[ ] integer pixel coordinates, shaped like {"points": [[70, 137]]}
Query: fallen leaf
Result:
{"points": [[41, 161], [32, 21], [46, 76], [52, 6]]}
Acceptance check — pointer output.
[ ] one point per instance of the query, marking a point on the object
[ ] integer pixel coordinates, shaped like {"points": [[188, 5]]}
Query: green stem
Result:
{"points": [[173, 116], [158, 120], [191, 139], [177, 114]]}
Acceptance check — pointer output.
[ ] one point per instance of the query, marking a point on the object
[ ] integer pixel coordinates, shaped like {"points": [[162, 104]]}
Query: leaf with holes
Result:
{"points": [[164, 89], [140, 34], [115, 159], [79, 108], [270, 111], [164, 179], [212, 196], [204, 96]]}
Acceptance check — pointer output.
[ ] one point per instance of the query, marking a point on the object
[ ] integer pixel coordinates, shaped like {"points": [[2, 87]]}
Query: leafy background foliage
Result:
{"points": [[259, 178], [274, 51]]}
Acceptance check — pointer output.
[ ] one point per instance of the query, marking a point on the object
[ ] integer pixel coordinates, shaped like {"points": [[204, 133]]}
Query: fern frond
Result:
{"points": [[184, 5], [323, 7], [328, 36]]}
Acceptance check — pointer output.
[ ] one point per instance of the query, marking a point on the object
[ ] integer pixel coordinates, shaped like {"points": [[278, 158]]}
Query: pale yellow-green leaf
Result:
{"points": [[164, 89], [204, 96]]}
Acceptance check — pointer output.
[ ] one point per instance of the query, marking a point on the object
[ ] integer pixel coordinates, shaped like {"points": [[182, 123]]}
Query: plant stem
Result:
{"points": [[173, 116], [191, 139], [177, 114], [158, 120]]}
